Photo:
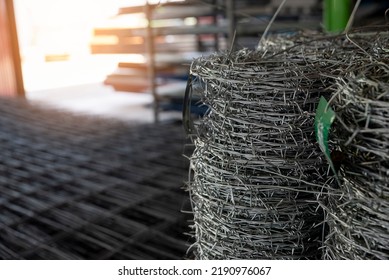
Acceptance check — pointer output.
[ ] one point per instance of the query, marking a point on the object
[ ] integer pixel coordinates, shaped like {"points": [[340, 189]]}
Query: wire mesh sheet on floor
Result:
{"points": [[75, 187]]}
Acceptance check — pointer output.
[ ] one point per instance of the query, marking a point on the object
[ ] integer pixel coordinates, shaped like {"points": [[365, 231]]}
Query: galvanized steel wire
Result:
{"points": [[260, 186], [359, 219], [256, 165]]}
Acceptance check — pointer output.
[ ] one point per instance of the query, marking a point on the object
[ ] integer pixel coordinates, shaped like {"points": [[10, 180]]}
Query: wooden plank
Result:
{"points": [[119, 32], [140, 48], [130, 83], [126, 80], [158, 31], [131, 72], [164, 90], [132, 10], [134, 65], [143, 66], [164, 71], [112, 49], [11, 80]]}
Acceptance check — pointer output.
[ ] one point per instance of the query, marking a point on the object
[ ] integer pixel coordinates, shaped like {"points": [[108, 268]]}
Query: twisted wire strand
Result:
{"points": [[261, 187], [359, 220], [257, 168]]}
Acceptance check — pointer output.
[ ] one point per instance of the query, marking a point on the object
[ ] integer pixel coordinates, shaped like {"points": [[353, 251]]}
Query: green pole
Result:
{"points": [[336, 14]]}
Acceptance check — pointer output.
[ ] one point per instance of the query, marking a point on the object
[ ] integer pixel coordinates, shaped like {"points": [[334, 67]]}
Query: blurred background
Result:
{"points": [[58, 66], [88, 44]]}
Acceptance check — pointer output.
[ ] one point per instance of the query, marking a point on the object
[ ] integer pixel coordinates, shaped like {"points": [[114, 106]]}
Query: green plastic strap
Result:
{"points": [[324, 118]]}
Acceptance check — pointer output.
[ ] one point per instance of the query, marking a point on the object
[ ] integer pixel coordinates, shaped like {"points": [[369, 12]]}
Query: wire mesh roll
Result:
{"points": [[256, 165], [358, 212]]}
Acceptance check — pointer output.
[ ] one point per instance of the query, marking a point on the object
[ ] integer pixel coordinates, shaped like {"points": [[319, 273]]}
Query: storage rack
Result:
{"points": [[218, 22]]}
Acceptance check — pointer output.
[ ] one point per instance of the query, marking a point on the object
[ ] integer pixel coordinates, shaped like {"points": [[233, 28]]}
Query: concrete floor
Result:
{"points": [[98, 99]]}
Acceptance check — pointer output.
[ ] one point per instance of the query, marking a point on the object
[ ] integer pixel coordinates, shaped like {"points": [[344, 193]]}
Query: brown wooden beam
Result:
{"points": [[11, 79]]}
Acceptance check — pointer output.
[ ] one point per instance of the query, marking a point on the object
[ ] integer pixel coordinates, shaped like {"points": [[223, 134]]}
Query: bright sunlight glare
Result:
{"points": [[55, 38]]}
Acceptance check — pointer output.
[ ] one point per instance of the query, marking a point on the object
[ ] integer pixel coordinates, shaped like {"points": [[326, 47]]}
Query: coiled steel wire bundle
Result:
{"points": [[257, 168], [358, 212], [260, 183]]}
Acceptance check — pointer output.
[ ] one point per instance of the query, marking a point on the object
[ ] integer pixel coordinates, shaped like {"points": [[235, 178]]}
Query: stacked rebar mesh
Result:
{"points": [[82, 187], [358, 212], [256, 167]]}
